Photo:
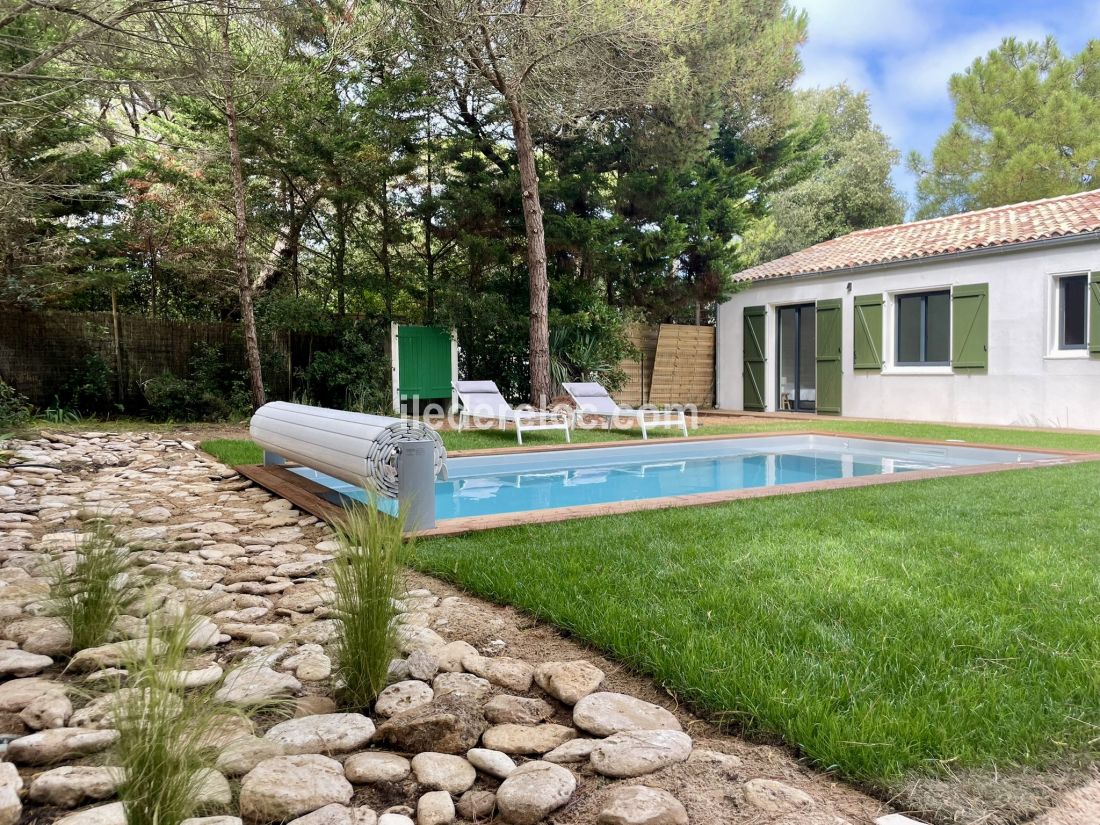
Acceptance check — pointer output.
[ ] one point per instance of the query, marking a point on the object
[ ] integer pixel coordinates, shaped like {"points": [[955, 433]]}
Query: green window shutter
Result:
{"points": [[753, 350], [867, 342], [1094, 312], [970, 327], [829, 373]]}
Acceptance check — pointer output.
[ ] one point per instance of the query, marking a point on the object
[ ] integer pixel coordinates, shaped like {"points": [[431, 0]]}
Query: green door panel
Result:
{"points": [[754, 358], [423, 362], [970, 327], [867, 337], [1094, 312], [829, 346]]}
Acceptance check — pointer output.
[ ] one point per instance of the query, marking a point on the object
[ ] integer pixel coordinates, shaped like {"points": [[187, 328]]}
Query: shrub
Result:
{"points": [[91, 596], [14, 408], [214, 389], [354, 375], [168, 733], [89, 388], [367, 576]]}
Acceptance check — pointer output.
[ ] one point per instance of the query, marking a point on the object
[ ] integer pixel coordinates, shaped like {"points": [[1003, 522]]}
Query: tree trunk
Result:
{"points": [[384, 252], [538, 279], [117, 335], [429, 214], [240, 215], [340, 256]]}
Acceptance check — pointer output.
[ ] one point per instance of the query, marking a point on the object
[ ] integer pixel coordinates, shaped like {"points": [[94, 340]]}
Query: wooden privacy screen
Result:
{"points": [[676, 366], [639, 372]]}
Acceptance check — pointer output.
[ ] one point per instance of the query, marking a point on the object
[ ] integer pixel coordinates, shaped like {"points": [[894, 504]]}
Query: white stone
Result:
{"points": [[100, 712], [18, 693], [15, 662], [435, 808], [402, 696], [494, 763], [410, 639], [638, 752], [58, 745], [212, 788], [450, 656], [517, 710], [334, 814], [444, 772], [115, 654], [775, 797], [464, 684], [575, 750], [606, 713], [199, 676], [533, 791], [639, 805], [49, 710], [213, 820], [111, 814], [255, 686], [70, 786], [289, 786], [569, 682], [242, 755], [508, 673], [395, 819], [527, 739], [155, 515], [11, 808], [323, 733], [422, 665], [376, 766]]}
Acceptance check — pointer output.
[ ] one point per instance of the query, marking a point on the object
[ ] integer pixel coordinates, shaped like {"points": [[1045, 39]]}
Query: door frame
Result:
{"points": [[778, 400]]}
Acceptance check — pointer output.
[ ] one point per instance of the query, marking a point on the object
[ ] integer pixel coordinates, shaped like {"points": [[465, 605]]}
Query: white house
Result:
{"points": [[988, 317]]}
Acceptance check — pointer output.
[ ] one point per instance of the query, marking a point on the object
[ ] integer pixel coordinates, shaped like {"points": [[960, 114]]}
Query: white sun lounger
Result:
{"points": [[593, 399], [482, 399]]}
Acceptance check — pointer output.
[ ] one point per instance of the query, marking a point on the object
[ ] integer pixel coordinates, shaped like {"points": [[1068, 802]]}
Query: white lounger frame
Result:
{"points": [[499, 411], [604, 406]]}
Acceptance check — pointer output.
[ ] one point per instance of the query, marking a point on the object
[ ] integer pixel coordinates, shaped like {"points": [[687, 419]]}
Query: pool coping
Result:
{"points": [[306, 494]]}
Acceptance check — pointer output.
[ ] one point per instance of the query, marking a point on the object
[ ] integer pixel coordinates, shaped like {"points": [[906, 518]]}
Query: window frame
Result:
{"points": [[1060, 345], [924, 295]]}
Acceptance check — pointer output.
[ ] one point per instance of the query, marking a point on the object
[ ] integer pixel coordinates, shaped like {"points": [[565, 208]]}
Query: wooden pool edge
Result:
{"points": [[310, 497]]}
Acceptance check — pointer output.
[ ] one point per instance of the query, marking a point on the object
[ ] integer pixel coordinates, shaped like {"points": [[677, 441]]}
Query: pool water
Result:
{"points": [[546, 479]]}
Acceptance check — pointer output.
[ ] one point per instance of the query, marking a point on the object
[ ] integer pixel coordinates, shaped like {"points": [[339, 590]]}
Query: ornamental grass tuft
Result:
{"points": [[169, 734], [368, 578], [100, 586]]}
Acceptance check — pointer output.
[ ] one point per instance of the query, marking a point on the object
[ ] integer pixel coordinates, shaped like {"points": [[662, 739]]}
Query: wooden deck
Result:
{"points": [[303, 493]]}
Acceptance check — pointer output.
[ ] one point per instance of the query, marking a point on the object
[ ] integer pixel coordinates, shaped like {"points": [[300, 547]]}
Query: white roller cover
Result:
{"points": [[353, 447]]}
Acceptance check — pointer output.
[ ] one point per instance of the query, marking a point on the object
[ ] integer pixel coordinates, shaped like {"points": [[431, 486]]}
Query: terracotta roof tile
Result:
{"points": [[983, 229]]}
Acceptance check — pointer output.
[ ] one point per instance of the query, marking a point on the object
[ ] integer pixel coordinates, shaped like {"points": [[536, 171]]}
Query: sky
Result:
{"points": [[902, 52]]}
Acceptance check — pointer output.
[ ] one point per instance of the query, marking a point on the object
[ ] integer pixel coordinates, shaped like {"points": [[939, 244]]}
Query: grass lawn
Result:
{"points": [[886, 632]]}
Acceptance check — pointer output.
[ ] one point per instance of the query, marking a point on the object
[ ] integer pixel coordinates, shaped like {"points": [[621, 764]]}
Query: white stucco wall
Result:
{"points": [[1028, 382]]}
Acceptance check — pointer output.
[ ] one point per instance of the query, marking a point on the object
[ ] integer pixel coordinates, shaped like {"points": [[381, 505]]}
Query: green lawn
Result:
{"points": [[886, 632]]}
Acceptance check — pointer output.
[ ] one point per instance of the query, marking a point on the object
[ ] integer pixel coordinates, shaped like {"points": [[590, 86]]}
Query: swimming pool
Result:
{"points": [[537, 480]]}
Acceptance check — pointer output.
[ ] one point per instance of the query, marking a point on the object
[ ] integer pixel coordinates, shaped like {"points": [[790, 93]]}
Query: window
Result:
{"points": [[1073, 309], [924, 329]]}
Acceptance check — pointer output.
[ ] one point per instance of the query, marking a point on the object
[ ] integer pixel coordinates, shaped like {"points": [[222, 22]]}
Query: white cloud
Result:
{"points": [[919, 78], [903, 52], [828, 66], [866, 22]]}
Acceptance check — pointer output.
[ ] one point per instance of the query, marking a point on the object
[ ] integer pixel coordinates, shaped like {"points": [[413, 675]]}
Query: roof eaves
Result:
{"points": [[1013, 246]]}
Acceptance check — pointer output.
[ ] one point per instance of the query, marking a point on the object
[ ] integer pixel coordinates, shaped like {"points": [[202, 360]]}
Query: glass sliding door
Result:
{"points": [[797, 379]]}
